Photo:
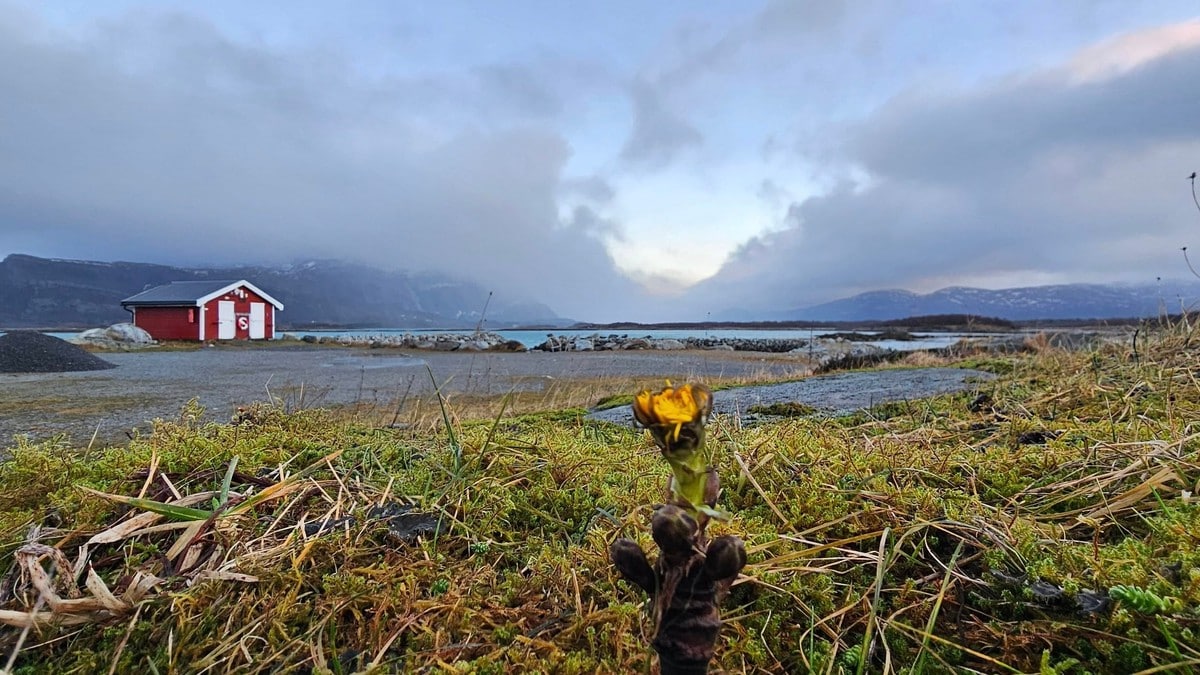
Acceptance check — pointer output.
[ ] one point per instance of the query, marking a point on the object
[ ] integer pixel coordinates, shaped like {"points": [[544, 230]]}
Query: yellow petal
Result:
{"points": [[671, 406]]}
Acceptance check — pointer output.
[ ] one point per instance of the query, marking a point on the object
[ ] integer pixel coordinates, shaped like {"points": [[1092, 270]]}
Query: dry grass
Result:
{"points": [[527, 396], [978, 532]]}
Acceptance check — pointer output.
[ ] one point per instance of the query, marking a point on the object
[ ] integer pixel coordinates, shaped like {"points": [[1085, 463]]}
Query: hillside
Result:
{"points": [[51, 293], [1031, 303]]}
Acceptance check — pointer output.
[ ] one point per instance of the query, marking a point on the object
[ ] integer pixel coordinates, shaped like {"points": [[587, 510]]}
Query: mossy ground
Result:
{"points": [[977, 532]]}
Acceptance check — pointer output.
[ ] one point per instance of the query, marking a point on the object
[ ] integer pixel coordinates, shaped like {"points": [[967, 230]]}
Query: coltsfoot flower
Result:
{"points": [[690, 576], [675, 417], [667, 412]]}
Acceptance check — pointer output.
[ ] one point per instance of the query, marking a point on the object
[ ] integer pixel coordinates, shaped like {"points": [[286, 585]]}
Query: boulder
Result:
{"points": [[121, 336], [129, 333], [508, 346]]}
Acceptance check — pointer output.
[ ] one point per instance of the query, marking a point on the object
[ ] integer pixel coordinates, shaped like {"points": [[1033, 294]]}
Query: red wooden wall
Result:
{"points": [[169, 323]]}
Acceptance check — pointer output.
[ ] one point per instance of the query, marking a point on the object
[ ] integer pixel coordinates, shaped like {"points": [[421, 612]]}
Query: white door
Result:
{"points": [[226, 328], [258, 320]]}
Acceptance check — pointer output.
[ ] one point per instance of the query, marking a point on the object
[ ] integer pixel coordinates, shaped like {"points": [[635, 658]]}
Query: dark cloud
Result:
{"points": [[156, 137], [586, 220], [595, 189], [772, 194], [658, 134], [931, 136], [529, 94], [780, 31], [769, 40], [1044, 175]]}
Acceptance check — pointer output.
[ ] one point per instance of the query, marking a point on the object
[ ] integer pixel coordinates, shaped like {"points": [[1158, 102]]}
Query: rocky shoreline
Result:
{"points": [[838, 349], [816, 349]]}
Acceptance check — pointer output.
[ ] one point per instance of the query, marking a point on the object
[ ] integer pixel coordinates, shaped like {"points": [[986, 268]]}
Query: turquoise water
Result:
{"points": [[533, 338]]}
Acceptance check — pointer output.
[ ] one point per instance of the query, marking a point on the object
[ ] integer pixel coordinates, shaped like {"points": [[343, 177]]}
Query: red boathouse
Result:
{"points": [[205, 310]]}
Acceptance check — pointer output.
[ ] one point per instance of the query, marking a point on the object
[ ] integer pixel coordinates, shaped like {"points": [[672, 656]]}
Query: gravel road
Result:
{"points": [[151, 384]]}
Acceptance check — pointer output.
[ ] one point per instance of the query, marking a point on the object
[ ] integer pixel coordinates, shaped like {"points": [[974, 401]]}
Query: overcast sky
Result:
{"points": [[617, 159]]}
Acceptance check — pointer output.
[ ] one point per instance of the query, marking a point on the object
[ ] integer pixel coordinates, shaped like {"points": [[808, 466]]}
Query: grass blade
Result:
{"points": [[455, 448], [182, 513], [227, 481]]}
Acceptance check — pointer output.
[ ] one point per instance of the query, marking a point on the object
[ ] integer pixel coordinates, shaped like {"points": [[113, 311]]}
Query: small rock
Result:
{"points": [[404, 524], [1044, 591], [1039, 437], [1091, 602], [319, 527]]}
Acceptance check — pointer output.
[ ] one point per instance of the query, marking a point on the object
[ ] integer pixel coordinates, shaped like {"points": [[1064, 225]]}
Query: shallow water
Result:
{"points": [[837, 394]]}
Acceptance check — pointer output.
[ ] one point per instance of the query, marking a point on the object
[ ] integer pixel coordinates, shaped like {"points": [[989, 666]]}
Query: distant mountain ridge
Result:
{"points": [[1030, 303], [55, 293]]}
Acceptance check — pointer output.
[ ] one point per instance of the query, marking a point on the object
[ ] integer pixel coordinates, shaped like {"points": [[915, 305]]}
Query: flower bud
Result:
{"points": [[673, 529], [631, 562], [726, 556]]}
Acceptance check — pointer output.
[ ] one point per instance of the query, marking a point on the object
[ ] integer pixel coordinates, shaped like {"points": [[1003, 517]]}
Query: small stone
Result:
{"points": [[1044, 591]]}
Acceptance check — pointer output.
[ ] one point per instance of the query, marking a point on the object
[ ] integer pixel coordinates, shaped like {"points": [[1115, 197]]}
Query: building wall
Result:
{"points": [[169, 323], [241, 310]]}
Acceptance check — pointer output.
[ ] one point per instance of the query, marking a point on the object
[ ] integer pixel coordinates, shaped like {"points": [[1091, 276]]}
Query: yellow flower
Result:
{"points": [[673, 406], [675, 418]]}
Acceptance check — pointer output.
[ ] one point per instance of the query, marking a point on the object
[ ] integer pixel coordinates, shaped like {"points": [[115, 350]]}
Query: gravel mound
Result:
{"points": [[27, 351]]}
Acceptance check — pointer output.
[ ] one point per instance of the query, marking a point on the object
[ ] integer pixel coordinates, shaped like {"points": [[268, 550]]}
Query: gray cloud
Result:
{"points": [[595, 189], [155, 137], [1030, 177], [661, 129], [658, 134]]}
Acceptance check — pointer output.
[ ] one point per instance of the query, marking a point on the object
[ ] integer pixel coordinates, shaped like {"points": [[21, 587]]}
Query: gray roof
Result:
{"points": [[177, 293]]}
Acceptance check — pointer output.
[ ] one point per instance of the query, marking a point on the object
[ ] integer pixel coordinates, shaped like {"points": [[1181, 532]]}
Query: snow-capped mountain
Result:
{"points": [[1065, 301], [50, 293]]}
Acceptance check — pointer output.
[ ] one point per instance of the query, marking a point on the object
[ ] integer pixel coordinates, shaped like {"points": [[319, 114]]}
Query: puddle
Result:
{"points": [[837, 394]]}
